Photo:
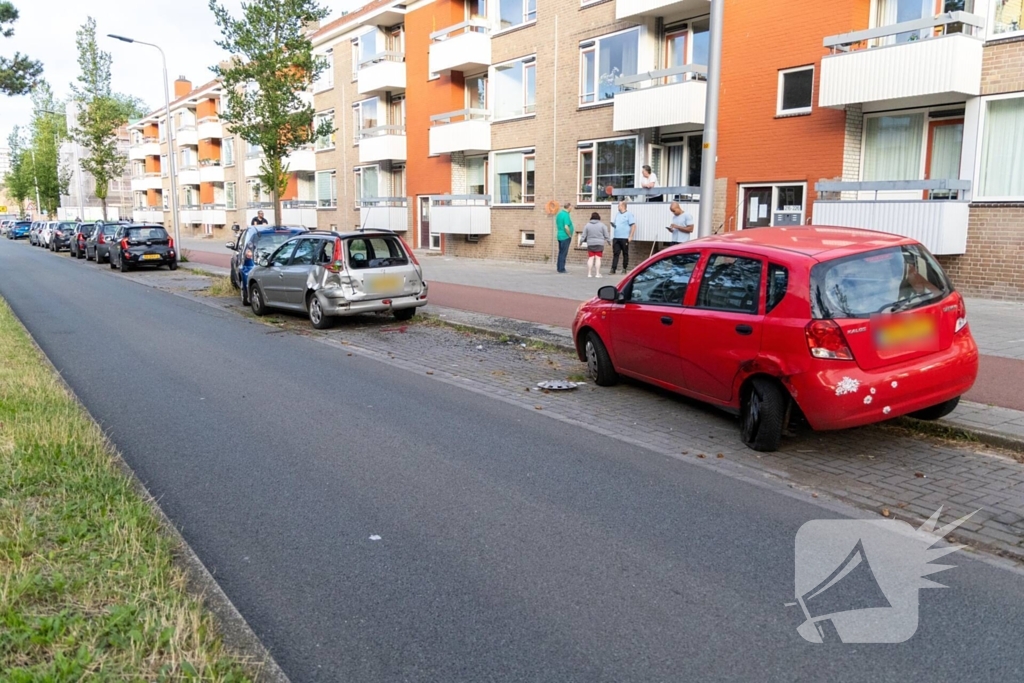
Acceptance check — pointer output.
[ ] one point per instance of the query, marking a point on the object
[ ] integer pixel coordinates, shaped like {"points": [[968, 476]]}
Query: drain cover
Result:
{"points": [[558, 385]]}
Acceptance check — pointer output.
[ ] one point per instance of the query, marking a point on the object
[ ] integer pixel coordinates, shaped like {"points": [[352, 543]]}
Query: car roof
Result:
{"points": [[821, 242], [294, 229]]}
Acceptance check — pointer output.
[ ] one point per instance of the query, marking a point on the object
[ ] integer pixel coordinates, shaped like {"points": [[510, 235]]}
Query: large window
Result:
{"points": [[324, 141], [189, 158], [326, 79], [1002, 151], [227, 152], [603, 164], [892, 147], [515, 88], [365, 116], [476, 174], [365, 47], [476, 92], [326, 189], [367, 183], [516, 12], [796, 87], [514, 174], [230, 200], [687, 44], [1009, 16], [605, 60]]}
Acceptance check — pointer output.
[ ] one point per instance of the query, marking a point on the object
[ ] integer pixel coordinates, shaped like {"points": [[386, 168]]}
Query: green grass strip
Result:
{"points": [[89, 589]]}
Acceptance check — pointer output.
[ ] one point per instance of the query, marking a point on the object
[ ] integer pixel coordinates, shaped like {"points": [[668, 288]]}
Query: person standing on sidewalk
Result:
{"points": [[259, 219], [595, 235], [565, 233], [622, 235], [682, 223]]}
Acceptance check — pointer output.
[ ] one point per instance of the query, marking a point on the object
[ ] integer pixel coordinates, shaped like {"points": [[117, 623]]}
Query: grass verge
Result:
{"points": [[220, 287], [89, 588]]}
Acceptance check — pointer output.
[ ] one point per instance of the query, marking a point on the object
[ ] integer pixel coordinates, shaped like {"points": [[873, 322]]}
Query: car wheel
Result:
{"points": [[937, 412], [599, 363], [173, 265], [256, 300], [763, 415], [234, 279], [316, 314], [110, 262], [404, 314], [87, 257], [123, 264]]}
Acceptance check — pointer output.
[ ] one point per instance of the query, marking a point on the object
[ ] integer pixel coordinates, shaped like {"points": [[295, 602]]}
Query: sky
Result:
{"points": [[185, 29]]}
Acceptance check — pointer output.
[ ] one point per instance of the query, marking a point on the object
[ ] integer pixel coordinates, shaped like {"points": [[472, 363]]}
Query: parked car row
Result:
{"points": [[123, 245], [16, 230]]}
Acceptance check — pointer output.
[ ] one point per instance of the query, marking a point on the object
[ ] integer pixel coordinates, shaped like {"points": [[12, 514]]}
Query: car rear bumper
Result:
{"points": [[839, 395], [339, 305]]}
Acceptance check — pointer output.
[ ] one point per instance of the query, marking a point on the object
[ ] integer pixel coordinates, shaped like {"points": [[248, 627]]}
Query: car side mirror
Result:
{"points": [[231, 246], [263, 261], [608, 293]]}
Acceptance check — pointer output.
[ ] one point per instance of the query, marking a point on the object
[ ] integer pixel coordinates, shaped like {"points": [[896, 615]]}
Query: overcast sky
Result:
{"points": [[183, 28]]}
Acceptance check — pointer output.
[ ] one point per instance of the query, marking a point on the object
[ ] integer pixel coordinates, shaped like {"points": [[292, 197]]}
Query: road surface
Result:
{"points": [[512, 547]]}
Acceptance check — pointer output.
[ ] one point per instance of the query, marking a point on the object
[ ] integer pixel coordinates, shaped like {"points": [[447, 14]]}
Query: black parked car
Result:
{"points": [[142, 245], [78, 238], [97, 245], [61, 237]]}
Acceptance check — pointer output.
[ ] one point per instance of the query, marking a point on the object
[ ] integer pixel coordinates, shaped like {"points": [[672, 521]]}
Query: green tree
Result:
{"points": [[18, 180], [18, 74], [272, 63], [48, 129], [101, 113]]}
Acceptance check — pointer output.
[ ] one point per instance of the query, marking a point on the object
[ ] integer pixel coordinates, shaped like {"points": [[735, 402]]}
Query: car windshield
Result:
{"points": [[266, 244], [147, 234], [67, 226], [885, 281]]}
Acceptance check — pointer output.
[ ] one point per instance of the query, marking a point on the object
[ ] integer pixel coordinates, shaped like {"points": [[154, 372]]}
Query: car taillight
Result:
{"points": [[825, 340], [170, 243], [337, 259], [412, 256], [961, 316]]}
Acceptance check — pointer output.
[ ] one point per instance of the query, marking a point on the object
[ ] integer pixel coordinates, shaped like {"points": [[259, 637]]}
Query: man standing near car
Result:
{"points": [[259, 219], [622, 234], [682, 223], [565, 233]]}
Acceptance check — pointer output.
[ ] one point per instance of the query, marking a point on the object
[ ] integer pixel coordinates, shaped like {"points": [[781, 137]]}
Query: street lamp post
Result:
{"points": [[709, 158], [172, 152]]}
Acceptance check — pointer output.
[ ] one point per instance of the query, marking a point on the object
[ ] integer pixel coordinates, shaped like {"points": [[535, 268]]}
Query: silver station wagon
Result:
{"points": [[330, 274]]}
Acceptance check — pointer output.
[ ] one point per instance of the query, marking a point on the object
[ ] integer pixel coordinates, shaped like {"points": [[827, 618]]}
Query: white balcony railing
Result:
{"points": [[466, 130], [463, 214], [384, 213], [300, 161], [939, 224], [149, 181], [650, 216], [192, 215], [635, 9], [382, 143], [462, 47], [211, 173], [214, 214], [913, 60], [210, 129], [252, 166], [383, 72], [148, 215], [189, 176], [186, 136], [149, 147], [670, 97]]}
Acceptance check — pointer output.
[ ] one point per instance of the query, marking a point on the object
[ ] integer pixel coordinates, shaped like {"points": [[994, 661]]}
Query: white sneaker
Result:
{"points": [[590, 275], [599, 275]]}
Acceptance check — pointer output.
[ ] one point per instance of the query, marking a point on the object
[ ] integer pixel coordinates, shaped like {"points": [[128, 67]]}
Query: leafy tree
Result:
{"points": [[101, 113], [272, 63], [48, 129], [18, 180], [19, 74]]}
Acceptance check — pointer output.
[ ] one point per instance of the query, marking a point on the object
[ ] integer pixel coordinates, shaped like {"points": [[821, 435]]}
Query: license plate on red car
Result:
{"points": [[905, 332]]}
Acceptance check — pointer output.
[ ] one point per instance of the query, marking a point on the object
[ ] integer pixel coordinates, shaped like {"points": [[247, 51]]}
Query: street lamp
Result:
{"points": [[173, 153]]}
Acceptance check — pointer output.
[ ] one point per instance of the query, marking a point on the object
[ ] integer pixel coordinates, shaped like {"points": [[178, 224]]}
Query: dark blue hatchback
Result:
{"points": [[253, 242]]}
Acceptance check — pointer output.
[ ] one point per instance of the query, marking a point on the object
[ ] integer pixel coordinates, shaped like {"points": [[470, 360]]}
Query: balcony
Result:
{"points": [[659, 99], [382, 143], [213, 214], [940, 62], [149, 215], [210, 129], [147, 181], [460, 214], [187, 136], [150, 147], [252, 166], [191, 215], [636, 9], [463, 47], [189, 175], [650, 216], [300, 161], [211, 173], [939, 223], [381, 73], [466, 130], [385, 213]]}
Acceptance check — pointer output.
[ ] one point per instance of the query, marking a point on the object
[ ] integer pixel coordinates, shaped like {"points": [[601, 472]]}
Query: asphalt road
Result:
{"points": [[512, 547]]}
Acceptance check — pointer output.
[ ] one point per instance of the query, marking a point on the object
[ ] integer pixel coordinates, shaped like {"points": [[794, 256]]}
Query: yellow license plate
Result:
{"points": [[151, 257], [383, 283], [909, 331]]}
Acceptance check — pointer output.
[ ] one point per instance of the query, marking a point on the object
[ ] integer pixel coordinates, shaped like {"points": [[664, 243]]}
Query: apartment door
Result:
{"points": [[945, 142], [428, 239], [675, 52], [757, 207]]}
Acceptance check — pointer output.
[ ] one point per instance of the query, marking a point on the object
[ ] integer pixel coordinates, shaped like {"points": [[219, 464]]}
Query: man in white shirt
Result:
{"points": [[682, 224], [649, 181]]}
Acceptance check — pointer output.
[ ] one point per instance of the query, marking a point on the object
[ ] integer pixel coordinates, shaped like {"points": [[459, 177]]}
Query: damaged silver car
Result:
{"points": [[330, 274]]}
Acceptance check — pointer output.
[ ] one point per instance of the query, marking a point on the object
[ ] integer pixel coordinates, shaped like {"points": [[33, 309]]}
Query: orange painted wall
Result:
{"points": [[425, 98], [209, 149], [754, 146], [292, 191], [152, 164], [206, 193], [150, 130], [154, 198], [182, 87], [206, 108]]}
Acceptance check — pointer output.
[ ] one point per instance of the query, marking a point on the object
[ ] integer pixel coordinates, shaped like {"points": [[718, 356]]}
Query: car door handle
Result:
{"points": [[745, 329], [666, 320]]}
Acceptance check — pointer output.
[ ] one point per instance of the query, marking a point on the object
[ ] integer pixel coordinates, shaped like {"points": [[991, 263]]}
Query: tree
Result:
{"points": [[18, 180], [272, 63], [48, 129], [100, 113], [19, 74]]}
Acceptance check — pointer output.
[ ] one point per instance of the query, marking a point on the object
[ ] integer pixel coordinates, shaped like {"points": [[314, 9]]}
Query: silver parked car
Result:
{"points": [[329, 274]]}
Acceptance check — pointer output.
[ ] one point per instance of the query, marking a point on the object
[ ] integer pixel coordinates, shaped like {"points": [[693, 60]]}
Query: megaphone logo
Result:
{"points": [[857, 581]]}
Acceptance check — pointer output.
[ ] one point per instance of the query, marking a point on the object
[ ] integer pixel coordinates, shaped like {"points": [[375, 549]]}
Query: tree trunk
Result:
{"points": [[278, 215], [103, 203]]}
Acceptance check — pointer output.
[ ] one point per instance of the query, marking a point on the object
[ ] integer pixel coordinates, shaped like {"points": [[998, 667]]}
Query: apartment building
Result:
{"points": [[217, 173]]}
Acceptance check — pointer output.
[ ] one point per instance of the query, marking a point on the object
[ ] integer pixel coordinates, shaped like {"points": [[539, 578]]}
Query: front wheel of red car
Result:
{"points": [[937, 412], [763, 415], [599, 363]]}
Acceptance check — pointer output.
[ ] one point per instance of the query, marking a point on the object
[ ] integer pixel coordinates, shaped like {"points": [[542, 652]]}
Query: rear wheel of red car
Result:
{"points": [[939, 411], [316, 314], [256, 300], [763, 415], [599, 363]]}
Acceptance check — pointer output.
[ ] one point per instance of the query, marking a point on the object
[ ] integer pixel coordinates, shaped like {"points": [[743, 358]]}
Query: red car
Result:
{"points": [[847, 326]]}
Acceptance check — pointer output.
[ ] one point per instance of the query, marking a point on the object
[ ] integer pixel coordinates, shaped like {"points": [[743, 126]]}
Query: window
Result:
{"points": [[367, 183], [1002, 149], [515, 88], [230, 200], [375, 252], [687, 44], [365, 48], [161, 125], [514, 177], [325, 141], [283, 254], [254, 190], [188, 158], [731, 283], [326, 189], [166, 200], [892, 147], [604, 60], [516, 12], [326, 79], [1008, 16], [227, 152], [796, 88], [191, 196], [304, 251], [778, 283], [364, 116], [606, 163], [476, 174], [252, 150], [528, 237], [663, 282], [476, 92]]}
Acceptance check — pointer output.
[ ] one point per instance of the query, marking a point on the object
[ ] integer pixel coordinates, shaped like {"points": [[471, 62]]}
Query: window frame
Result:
{"points": [[333, 175], [627, 291], [976, 194], [491, 95], [231, 198], [741, 214], [524, 154], [359, 176], [593, 45], [357, 116], [330, 140], [326, 80], [227, 144], [590, 146], [990, 25], [780, 95], [527, 19], [759, 297]]}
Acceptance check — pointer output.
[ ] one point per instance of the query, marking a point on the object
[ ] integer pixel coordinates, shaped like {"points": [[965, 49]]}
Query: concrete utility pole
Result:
{"points": [[709, 157]]}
